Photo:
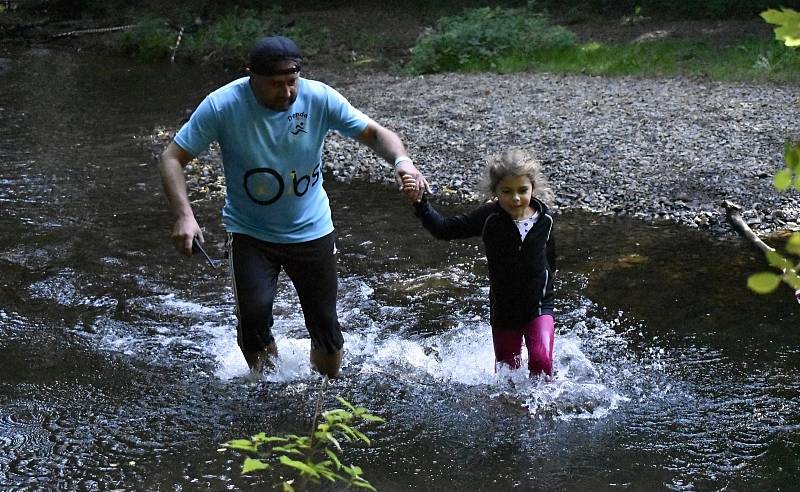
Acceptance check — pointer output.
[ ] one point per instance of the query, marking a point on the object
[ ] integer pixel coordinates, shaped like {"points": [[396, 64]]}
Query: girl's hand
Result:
{"points": [[409, 187]]}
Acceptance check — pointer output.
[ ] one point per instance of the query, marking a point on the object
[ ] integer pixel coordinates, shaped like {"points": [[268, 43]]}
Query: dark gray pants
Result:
{"points": [[311, 266]]}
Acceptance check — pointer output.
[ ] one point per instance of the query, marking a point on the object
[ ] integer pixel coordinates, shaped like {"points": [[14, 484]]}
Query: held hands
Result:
{"points": [[409, 187], [410, 181]]}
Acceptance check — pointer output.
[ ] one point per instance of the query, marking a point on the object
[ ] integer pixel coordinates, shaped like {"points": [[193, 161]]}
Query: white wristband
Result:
{"points": [[401, 159]]}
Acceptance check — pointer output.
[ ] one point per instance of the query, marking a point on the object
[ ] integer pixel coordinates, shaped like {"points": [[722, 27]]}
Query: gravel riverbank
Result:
{"points": [[655, 149]]}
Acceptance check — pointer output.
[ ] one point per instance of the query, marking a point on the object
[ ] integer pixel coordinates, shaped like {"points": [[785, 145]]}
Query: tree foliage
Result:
{"points": [[788, 32], [788, 22]]}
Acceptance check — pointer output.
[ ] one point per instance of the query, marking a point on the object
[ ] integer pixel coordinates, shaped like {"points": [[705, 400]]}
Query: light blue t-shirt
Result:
{"points": [[272, 159]]}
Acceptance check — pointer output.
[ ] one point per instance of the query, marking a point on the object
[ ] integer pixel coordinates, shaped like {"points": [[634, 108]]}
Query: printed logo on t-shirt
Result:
{"points": [[297, 123], [265, 185]]}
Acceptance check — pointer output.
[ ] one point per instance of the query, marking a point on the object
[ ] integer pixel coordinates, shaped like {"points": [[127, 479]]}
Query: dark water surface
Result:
{"points": [[119, 367]]}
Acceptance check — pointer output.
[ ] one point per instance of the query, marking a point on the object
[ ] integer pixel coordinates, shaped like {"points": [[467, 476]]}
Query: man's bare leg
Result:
{"points": [[262, 360], [326, 364]]}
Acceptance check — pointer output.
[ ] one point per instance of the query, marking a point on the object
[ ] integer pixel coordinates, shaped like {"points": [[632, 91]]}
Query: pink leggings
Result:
{"points": [[538, 336]]}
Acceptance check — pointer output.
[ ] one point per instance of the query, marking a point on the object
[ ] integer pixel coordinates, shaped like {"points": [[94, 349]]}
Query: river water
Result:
{"points": [[119, 367]]}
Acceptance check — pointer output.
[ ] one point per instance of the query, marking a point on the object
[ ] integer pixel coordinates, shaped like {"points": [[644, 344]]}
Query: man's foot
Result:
{"points": [[262, 360], [326, 364]]}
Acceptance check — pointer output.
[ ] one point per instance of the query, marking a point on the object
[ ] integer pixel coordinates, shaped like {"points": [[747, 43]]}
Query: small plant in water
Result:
{"points": [[314, 457]]}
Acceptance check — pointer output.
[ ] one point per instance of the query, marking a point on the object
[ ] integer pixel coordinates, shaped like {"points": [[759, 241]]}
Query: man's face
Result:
{"points": [[277, 92]]}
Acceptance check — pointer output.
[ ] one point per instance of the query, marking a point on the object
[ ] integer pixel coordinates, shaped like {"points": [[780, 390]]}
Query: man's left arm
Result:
{"points": [[388, 145]]}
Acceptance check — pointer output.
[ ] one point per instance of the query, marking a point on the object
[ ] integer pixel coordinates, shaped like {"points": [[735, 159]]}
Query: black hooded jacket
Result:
{"points": [[520, 272]]}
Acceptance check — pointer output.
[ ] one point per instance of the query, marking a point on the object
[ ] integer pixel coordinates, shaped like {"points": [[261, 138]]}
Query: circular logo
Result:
{"points": [[264, 185]]}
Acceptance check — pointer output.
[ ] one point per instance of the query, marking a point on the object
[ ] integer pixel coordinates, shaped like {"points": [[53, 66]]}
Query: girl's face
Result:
{"points": [[514, 195]]}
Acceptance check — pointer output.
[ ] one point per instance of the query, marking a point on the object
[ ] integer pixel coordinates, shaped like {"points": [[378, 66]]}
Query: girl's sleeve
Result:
{"points": [[459, 226], [551, 252]]}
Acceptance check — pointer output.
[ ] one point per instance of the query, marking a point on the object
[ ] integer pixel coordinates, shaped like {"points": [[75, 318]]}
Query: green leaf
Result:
{"points": [[327, 436], [251, 465], [287, 486], [346, 403], [782, 179], [773, 16], [788, 22], [777, 260], [792, 279], [792, 158], [763, 283], [372, 418], [334, 458], [354, 471], [291, 449], [348, 432], [360, 482], [789, 34], [793, 245], [263, 438], [360, 435], [303, 468], [242, 445], [325, 472], [337, 414]]}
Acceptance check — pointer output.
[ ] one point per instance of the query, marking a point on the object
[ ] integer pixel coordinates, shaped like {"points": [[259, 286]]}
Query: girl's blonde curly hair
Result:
{"points": [[516, 162]]}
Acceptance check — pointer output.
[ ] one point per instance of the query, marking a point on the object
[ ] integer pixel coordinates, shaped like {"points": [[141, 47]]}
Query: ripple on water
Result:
{"points": [[67, 288], [12, 324], [21, 429], [440, 392]]}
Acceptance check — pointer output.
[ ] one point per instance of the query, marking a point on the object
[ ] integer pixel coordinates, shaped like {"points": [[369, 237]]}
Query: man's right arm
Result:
{"points": [[170, 164]]}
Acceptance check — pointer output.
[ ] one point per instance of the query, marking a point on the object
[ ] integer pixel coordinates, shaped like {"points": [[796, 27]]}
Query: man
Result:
{"points": [[271, 126]]}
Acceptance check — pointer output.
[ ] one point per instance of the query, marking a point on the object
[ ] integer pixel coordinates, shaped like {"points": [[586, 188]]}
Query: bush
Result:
{"points": [[479, 37], [149, 39], [226, 40], [230, 37]]}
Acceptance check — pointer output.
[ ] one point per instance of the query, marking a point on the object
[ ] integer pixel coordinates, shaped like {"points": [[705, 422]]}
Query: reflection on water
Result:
{"points": [[120, 368]]}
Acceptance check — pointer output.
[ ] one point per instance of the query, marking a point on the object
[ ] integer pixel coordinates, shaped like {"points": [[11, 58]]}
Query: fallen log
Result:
{"points": [[738, 223], [101, 30], [735, 218]]}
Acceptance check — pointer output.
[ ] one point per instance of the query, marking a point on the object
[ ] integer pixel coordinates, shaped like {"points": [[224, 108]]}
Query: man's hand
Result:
{"points": [[387, 144], [410, 181], [184, 231], [170, 165]]}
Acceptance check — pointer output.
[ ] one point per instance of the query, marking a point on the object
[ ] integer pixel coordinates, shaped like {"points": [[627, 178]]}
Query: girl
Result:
{"points": [[517, 232]]}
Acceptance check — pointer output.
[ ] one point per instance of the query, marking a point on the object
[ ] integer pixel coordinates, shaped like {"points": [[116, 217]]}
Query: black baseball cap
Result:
{"points": [[269, 51]]}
